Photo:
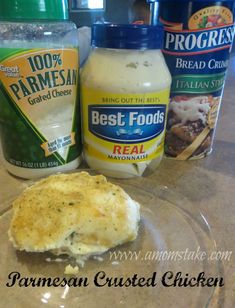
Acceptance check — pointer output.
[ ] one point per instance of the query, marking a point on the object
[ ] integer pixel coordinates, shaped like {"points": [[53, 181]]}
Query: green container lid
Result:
{"points": [[33, 9]]}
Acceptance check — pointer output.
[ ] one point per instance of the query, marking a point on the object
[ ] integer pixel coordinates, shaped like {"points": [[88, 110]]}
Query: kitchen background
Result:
{"points": [[87, 12]]}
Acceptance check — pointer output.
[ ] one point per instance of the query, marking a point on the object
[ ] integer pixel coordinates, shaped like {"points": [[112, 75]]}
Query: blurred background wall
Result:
{"points": [[116, 11]]}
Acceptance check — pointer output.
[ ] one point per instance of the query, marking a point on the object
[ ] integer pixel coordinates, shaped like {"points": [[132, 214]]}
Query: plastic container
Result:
{"points": [[197, 45], [125, 94], [39, 117]]}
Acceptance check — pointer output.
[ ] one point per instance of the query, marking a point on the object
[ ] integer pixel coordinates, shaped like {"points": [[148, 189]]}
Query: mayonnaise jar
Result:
{"points": [[125, 88]]}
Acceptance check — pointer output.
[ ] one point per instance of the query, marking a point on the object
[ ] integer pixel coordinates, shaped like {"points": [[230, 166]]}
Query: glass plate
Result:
{"points": [[169, 224]]}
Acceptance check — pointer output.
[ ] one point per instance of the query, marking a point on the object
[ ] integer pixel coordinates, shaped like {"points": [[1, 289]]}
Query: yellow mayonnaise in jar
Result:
{"points": [[125, 94]]}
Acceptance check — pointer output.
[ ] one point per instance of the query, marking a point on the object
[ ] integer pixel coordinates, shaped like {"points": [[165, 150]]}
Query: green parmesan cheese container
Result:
{"points": [[39, 77]]}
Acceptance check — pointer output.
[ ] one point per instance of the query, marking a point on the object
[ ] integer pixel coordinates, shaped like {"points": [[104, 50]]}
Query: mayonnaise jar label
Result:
{"points": [[126, 128]]}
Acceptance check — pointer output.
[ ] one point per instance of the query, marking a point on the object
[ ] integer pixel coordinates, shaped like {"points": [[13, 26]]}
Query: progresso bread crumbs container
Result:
{"points": [[125, 94], [39, 111], [197, 44]]}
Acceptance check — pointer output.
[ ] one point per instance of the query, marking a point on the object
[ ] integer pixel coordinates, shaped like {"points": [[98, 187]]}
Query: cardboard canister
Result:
{"points": [[197, 44]]}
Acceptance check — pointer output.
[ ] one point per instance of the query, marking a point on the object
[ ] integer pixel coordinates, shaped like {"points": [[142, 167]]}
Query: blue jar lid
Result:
{"points": [[131, 36]]}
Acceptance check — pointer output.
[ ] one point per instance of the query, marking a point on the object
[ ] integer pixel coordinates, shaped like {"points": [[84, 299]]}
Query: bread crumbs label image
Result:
{"points": [[39, 110], [213, 16], [196, 49]]}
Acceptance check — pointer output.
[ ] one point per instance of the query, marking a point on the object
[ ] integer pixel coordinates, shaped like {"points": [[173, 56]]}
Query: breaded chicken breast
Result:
{"points": [[75, 214]]}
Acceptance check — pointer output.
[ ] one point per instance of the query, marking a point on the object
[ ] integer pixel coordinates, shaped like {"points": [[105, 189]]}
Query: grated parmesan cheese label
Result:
{"points": [[39, 107]]}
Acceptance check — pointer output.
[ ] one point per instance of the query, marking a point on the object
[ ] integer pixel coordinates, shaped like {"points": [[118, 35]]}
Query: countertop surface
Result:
{"points": [[208, 183]]}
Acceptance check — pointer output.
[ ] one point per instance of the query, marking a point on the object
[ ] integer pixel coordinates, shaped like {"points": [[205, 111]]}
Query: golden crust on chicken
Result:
{"points": [[76, 214]]}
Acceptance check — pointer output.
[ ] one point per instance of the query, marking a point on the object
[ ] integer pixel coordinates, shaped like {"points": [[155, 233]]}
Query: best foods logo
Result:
{"points": [[127, 124]]}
